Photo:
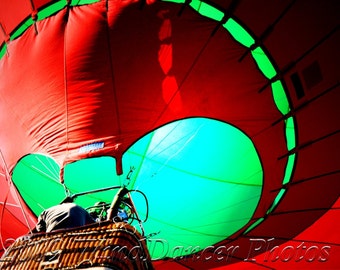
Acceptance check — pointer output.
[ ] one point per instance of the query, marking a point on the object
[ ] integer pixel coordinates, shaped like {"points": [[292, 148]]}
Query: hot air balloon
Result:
{"points": [[220, 117]]}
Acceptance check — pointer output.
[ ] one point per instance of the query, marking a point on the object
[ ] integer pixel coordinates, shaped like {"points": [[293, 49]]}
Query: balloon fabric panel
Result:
{"points": [[81, 113]]}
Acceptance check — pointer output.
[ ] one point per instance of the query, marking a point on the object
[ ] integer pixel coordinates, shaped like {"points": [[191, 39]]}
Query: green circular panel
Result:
{"points": [[203, 180]]}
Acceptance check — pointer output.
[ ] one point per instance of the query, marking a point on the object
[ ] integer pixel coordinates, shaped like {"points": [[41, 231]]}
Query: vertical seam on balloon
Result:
{"points": [[114, 90], [1, 218], [119, 157], [112, 73], [34, 16], [66, 91]]}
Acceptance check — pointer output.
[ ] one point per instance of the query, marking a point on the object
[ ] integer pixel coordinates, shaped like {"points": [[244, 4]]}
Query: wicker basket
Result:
{"points": [[110, 245]]}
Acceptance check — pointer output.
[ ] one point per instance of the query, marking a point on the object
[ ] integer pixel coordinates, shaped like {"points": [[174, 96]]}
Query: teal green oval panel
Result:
{"points": [[203, 180]]}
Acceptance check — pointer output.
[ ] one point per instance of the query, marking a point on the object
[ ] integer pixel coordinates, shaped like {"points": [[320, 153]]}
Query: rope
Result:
{"points": [[66, 189], [10, 184]]}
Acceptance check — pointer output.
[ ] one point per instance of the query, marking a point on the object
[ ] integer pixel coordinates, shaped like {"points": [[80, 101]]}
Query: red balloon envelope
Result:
{"points": [[223, 113]]}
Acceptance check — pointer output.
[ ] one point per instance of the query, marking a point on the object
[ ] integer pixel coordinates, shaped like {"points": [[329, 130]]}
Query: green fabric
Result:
{"points": [[239, 33], [277, 200], [37, 178], [3, 50], [207, 10], [203, 180], [254, 225], [92, 174], [280, 97], [263, 62]]}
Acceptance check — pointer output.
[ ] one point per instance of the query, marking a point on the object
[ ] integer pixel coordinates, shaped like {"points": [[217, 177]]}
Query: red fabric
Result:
{"points": [[92, 75], [12, 13], [15, 217]]}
